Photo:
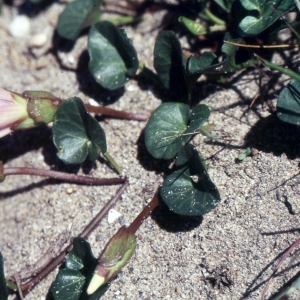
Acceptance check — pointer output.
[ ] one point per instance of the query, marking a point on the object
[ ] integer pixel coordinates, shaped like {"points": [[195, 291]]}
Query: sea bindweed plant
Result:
{"points": [[187, 188]]}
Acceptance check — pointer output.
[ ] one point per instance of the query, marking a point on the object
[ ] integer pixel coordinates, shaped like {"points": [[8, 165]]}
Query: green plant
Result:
{"points": [[187, 188]]}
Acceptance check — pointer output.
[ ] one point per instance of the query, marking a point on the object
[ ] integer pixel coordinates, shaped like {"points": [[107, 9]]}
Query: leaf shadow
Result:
{"points": [[33, 9], [33, 139], [271, 135], [172, 222], [28, 188], [23, 141]]}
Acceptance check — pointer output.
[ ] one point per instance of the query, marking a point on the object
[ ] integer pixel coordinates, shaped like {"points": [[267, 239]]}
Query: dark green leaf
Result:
{"points": [[72, 282], [81, 256], [113, 57], [76, 133], [3, 288], [164, 128], [189, 191], [68, 285], [171, 126], [262, 14], [198, 116], [169, 65], [228, 64], [198, 65], [288, 105], [77, 16]]}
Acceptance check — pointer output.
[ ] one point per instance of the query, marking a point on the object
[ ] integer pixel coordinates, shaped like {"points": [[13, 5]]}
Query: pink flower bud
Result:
{"points": [[30, 109], [12, 111]]}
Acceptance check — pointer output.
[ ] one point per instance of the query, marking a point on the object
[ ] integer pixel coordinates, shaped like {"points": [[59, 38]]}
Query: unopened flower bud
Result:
{"points": [[113, 258], [194, 27], [30, 109], [41, 106]]}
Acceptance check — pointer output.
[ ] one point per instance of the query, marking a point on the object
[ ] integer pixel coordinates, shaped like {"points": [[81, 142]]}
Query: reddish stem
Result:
{"points": [[115, 113], [26, 287], [134, 226], [286, 254], [63, 176]]}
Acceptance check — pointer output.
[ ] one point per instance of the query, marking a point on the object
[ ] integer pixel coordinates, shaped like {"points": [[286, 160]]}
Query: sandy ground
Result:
{"points": [[226, 255]]}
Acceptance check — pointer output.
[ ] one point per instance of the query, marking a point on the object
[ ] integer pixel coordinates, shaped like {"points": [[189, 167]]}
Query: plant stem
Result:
{"points": [[286, 254], [210, 136], [113, 162], [123, 20], [63, 176], [26, 287], [260, 46], [283, 70], [243, 65], [213, 17], [115, 113], [134, 226]]}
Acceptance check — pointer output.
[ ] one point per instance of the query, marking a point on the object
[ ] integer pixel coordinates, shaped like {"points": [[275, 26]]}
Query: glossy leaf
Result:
{"points": [[260, 14], [113, 58], [77, 16], [198, 65], [76, 134], [170, 66], [3, 288], [68, 285], [227, 65], [189, 191], [72, 281], [288, 104], [171, 126], [81, 256]]}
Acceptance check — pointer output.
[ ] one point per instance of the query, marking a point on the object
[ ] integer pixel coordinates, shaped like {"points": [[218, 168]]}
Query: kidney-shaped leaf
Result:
{"points": [[72, 281], [68, 285], [77, 16], [189, 191], [113, 58], [169, 64], [198, 65], [76, 134], [288, 104], [255, 24], [171, 126], [208, 62]]}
